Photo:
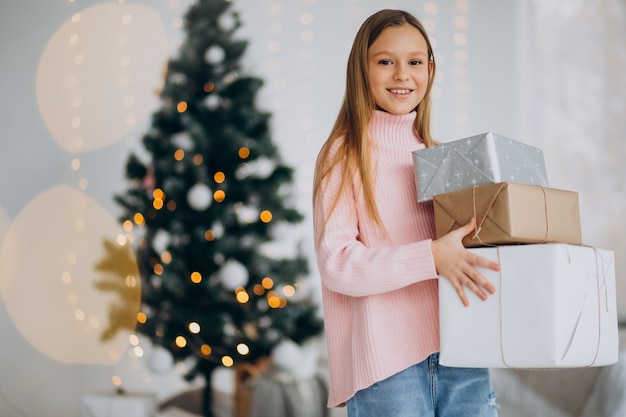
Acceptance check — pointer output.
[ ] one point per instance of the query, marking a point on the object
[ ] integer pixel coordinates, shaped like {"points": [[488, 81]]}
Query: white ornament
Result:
{"points": [[247, 214], [214, 55], [212, 101], [199, 197], [218, 230], [233, 274], [260, 168], [287, 355], [183, 141], [160, 360], [161, 240], [226, 22], [223, 380]]}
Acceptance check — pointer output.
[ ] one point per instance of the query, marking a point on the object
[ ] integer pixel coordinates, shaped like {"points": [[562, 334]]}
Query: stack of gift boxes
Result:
{"points": [[555, 302]]}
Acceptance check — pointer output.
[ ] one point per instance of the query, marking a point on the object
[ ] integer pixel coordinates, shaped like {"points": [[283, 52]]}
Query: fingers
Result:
{"points": [[461, 266], [468, 277], [473, 282]]}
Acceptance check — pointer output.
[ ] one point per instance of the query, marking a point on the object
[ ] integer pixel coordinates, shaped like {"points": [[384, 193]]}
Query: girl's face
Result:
{"points": [[398, 68]]}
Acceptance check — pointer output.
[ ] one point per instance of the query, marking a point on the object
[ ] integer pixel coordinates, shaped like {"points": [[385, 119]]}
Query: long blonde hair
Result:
{"points": [[356, 112]]}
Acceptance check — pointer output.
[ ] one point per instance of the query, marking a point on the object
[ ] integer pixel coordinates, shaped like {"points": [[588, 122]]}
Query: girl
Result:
{"points": [[374, 243]]}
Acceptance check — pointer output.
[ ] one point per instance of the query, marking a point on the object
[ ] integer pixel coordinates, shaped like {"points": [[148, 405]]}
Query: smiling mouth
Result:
{"points": [[399, 90]]}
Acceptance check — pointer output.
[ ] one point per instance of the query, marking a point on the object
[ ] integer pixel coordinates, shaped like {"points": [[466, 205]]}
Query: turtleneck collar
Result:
{"points": [[393, 128]]}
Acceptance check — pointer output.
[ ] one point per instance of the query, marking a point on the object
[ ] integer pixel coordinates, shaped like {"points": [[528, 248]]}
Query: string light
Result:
{"points": [[227, 361], [243, 152], [181, 341], [141, 318], [219, 196], [266, 216], [139, 219], [242, 295], [219, 177], [267, 283], [243, 349], [196, 277], [461, 57], [194, 327]]}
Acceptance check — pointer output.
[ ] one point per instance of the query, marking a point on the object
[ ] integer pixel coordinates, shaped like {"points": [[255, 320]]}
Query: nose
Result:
{"points": [[401, 73]]}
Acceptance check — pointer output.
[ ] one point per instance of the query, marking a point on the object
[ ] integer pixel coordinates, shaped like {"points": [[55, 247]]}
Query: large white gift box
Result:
{"points": [[118, 405], [554, 307]]}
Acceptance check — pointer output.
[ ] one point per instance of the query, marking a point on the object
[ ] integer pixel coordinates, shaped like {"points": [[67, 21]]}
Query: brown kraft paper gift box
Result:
{"points": [[510, 213]]}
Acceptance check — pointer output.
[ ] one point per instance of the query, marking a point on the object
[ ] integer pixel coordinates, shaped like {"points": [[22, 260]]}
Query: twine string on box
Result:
{"points": [[601, 273], [479, 226]]}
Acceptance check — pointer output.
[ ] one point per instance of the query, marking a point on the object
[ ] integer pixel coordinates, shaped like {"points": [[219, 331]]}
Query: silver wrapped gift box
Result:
{"points": [[476, 160]]}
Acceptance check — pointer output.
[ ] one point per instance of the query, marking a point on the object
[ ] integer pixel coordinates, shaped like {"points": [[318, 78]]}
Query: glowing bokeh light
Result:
{"points": [[54, 302], [97, 75]]}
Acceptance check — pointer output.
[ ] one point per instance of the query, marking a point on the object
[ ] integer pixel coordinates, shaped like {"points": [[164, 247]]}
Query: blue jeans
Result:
{"points": [[428, 390]]}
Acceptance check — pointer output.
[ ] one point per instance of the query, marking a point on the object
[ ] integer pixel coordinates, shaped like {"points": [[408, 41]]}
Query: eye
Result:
{"points": [[415, 62], [385, 62]]}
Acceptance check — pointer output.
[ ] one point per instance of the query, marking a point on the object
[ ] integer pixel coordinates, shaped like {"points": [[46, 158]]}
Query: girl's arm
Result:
{"points": [[349, 267]]}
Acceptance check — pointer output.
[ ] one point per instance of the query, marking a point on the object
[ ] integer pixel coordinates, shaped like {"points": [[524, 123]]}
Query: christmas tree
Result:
{"points": [[205, 208]]}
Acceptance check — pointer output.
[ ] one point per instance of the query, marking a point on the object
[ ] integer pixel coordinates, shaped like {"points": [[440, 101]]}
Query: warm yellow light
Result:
{"points": [[208, 87], [289, 290], [179, 155], [127, 225], [205, 350], [158, 194], [121, 240], [181, 342], [195, 277], [194, 327], [157, 204], [243, 297], [243, 349], [258, 289], [141, 318], [133, 339], [139, 219], [273, 301], [266, 216], [117, 381], [166, 257], [219, 177], [181, 106], [209, 235], [244, 152], [219, 195], [267, 283], [113, 355], [158, 269], [197, 159], [227, 361], [130, 281]]}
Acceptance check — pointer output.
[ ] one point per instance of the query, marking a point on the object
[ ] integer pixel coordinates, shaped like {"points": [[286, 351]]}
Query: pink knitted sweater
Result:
{"points": [[379, 296]]}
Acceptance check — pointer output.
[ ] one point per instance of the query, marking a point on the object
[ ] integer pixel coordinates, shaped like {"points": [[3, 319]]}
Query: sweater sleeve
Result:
{"points": [[350, 267]]}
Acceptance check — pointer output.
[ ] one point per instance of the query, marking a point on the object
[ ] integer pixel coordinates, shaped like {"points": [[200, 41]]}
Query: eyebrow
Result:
{"points": [[391, 53]]}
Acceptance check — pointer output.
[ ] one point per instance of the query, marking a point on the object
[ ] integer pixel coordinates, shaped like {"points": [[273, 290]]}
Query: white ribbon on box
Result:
{"points": [[554, 307]]}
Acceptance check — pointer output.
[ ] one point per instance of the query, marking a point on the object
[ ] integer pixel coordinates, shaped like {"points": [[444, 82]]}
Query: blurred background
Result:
{"points": [[546, 73]]}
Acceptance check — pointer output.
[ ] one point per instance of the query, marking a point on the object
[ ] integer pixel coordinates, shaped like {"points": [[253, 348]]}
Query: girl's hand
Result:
{"points": [[454, 262]]}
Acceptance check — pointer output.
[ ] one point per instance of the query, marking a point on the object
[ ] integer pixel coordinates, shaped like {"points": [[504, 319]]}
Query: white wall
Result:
{"points": [[304, 80]]}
